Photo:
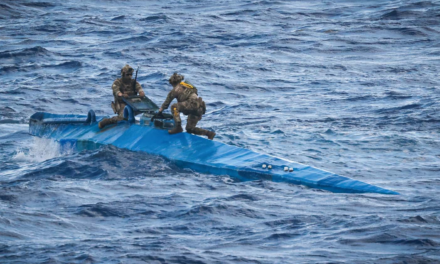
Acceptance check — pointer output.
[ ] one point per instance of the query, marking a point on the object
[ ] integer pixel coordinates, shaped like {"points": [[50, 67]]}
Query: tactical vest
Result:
{"points": [[124, 89], [127, 88]]}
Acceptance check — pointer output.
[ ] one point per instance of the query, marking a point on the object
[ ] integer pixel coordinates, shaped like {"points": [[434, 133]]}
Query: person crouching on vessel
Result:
{"points": [[122, 87], [189, 104]]}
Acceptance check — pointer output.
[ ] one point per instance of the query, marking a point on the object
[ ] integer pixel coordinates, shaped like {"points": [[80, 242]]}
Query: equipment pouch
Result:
{"points": [[202, 106], [114, 108]]}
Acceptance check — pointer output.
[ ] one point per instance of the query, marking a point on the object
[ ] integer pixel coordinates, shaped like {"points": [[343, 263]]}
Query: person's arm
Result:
{"points": [[166, 104], [139, 90], [115, 88]]}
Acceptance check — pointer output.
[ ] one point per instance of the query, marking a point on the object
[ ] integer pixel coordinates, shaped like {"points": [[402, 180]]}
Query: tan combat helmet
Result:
{"points": [[126, 69], [176, 78]]}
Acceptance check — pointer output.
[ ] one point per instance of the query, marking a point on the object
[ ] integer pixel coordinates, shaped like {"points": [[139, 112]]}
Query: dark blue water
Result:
{"points": [[351, 87]]}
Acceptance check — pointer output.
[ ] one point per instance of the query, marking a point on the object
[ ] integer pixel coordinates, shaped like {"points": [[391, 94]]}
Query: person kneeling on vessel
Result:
{"points": [[122, 87], [188, 103]]}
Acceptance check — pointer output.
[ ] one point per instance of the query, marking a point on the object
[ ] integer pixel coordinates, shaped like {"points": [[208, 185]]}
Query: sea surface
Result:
{"points": [[352, 87]]}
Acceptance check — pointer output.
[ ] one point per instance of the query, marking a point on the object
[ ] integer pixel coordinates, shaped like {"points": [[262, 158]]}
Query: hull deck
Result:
{"points": [[193, 152]]}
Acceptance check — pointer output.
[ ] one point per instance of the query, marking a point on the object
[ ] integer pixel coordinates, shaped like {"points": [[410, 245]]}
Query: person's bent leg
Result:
{"points": [[191, 127], [108, 121], [113, 120]]}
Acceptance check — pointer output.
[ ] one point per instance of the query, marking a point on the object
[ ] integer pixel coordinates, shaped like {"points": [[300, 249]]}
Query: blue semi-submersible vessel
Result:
{"points": [[149, 134]]}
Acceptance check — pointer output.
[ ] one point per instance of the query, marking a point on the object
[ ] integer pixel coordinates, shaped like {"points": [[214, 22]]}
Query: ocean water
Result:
{"points": [[352, 87]]}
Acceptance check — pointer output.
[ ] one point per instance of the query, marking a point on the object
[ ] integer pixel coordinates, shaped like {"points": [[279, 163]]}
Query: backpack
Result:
{"points": [[191, 88]]}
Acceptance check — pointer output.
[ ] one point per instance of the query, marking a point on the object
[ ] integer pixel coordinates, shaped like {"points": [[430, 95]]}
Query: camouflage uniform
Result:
{"points": [[126, 90], [189, 104], [118, 105]]}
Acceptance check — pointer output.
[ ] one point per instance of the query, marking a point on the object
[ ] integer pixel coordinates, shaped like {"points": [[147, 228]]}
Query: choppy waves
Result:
{"points": [[350, 87]]}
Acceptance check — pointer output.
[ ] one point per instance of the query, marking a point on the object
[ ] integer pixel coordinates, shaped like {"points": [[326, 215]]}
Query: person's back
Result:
{"points": [[189, 104]]}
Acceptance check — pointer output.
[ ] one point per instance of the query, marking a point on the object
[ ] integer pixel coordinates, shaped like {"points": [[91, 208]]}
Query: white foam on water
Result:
{"points": [[42, 149]]}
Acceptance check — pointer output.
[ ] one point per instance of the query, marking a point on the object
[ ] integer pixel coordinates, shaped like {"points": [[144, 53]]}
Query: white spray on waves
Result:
{"points": [[42, 149]]}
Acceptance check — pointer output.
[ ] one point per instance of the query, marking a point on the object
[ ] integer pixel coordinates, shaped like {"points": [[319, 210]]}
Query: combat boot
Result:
{"points": [[177, 129], [210, 134]]}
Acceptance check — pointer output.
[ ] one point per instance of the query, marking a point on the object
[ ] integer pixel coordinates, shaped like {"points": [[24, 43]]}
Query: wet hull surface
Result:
{"points": [[193, 152]]}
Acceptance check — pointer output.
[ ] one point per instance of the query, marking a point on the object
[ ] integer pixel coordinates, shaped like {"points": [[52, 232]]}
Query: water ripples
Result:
{"points": [[348, 87]]}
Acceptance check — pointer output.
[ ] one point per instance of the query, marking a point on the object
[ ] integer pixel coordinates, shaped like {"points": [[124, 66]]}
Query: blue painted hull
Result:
{"points": [[193, 152]]}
